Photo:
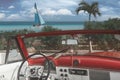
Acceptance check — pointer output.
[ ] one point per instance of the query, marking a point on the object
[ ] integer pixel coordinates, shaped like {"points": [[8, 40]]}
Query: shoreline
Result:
{"points": [[11, 26]]}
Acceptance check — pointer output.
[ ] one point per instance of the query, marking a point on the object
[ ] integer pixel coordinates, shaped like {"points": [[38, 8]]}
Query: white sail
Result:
{"points": [[38, 18]]}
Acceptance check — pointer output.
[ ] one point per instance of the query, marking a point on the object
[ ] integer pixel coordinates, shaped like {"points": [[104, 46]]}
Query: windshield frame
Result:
{"points": [[23, 49]]}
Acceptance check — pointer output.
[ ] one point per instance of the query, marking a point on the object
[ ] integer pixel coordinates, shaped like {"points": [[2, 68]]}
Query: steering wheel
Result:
{"points": [[26, 74]]}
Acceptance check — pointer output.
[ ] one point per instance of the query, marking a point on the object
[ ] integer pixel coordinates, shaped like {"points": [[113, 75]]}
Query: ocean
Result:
{"points": [[20, 25]]}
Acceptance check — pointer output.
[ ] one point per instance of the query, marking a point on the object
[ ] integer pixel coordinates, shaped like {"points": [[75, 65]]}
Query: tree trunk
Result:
{"points": [[90, 42], [89, 17]]}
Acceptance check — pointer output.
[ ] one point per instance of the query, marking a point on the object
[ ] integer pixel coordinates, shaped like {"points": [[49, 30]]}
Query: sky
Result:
{"points": [[55, 10]]}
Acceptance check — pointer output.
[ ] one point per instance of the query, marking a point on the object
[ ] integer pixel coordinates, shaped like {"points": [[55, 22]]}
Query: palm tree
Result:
{"points": [[91, 9]]}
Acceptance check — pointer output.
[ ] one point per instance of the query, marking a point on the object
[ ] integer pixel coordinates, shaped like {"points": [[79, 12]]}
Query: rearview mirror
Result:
{"points": [[70, 42]]}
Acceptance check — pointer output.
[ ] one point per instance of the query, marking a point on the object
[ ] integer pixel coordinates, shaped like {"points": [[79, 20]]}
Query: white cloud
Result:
{"points": [[64, 12], [11, 7], [2, 15], [83, 13], [14, 17], [49, 12], [106, 9], [107, 16], [28, 12], [57, 12]]}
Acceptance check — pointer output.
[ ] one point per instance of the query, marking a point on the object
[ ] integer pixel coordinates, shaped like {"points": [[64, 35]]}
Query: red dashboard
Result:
{"points": [[81, 61]]}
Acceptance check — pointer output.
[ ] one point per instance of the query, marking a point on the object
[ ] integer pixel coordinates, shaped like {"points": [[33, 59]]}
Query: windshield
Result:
{"points": [[14, 54], [80, 44]]}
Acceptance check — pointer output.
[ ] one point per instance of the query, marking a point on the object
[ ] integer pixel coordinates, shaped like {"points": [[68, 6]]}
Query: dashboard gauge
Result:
{"points": [[39, 71]]}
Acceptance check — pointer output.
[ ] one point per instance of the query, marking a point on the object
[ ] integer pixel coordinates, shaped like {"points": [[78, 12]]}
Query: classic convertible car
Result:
{"points": [[62, 55]]}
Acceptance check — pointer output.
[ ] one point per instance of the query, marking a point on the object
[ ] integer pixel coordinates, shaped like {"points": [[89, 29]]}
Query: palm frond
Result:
{"points": [[94, 4], [79, 9], [99, 13], [84, 4]]}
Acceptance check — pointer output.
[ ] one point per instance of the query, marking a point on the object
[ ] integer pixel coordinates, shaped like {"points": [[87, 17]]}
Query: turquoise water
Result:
{"points": [[9, 26]]}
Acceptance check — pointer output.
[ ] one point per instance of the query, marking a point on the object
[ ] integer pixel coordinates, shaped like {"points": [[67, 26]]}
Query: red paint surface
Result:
{"points": [[71, 32], [87, 61]]}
